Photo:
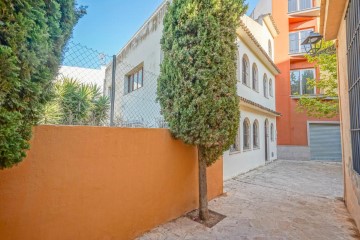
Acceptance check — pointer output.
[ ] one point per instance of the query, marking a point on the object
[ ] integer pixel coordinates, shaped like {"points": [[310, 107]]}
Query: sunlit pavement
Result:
{"points": [[283, 200]]}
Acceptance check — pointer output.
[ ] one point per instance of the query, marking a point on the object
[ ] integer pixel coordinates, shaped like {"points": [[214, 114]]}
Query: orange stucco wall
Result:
{"points": [[292, 125], [351, 178], [99, 183]]}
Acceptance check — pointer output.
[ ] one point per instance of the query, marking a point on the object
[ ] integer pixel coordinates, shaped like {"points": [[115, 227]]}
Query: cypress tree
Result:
{"points": [[197, 83], [33, 34]]}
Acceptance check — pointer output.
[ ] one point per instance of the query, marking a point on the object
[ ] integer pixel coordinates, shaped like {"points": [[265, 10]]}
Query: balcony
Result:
{"points": [[304, 8]]}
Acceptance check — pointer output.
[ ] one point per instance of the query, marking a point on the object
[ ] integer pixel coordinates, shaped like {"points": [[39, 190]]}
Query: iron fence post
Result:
{"points": [[112, 106]]}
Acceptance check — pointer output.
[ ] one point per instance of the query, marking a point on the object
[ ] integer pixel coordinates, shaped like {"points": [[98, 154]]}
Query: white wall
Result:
{"points": [[141, 102], [243, 161], [247, 91], [139, 105], [260, 32], [84, 75], [263, 7]]}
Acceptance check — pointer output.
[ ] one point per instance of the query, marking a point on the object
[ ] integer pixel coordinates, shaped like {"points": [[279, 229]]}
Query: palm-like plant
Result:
{"points": [[76, 103]]}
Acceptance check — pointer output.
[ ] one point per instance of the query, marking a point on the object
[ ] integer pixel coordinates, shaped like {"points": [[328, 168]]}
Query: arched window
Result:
{"points": [[246, 130], [236, 146], [255, 78], [256, 134], [265, 85], [245, 70], [271, 88], [272, 134], [237, 66], [270, 48]]}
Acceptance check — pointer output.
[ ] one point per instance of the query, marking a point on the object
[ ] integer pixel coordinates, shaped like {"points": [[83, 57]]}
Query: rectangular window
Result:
{"points": [[299, 84], [353, 57], [299, 5], [134, 80], [109, 92], [295, 40]]}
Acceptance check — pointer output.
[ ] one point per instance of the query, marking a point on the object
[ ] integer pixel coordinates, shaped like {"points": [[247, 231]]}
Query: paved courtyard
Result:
{"points": [[283, 200]]}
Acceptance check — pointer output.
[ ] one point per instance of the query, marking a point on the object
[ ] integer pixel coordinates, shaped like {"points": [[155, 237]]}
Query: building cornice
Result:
{"points": [[259, 106], [271, 25], [148, 27]]}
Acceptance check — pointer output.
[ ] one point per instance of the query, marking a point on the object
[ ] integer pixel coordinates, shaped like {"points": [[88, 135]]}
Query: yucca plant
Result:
{"points": [[76, 103]]}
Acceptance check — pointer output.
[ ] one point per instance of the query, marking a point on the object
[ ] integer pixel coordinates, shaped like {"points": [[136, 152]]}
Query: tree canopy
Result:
{"points": [[32, 37], [327, 103], [197, 84]]}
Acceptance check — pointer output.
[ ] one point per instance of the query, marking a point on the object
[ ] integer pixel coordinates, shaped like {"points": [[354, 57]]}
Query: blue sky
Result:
{"points": [[109, 24]]}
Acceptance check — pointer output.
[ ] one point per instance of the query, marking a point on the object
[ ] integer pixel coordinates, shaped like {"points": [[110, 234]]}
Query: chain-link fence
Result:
{"points": [[93, 88]]}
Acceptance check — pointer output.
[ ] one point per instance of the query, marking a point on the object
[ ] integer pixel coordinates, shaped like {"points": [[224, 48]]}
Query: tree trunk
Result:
{"points": [[203, 203]]}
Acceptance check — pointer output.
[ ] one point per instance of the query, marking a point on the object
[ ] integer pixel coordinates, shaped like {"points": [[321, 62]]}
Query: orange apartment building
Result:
{"points": [[299, 137]]}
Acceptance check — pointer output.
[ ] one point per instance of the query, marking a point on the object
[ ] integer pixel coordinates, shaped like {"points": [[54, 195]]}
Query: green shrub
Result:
{"points": [[32, 37], [76, 103]]}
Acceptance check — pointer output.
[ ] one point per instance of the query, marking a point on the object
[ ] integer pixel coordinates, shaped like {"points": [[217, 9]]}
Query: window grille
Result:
{"points": [[270, 48], [246, 130], [245, 70], [256, 134], [265, 85], [353, 46], [255, 78]]}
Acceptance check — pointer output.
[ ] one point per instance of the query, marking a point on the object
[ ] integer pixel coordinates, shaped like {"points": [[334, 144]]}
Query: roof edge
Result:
{"points": [[258, 45], [260, 106]]}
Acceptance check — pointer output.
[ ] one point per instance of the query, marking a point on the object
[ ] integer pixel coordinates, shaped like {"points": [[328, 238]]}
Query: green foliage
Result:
{"points": [[32, 37], [197, 84], [327, 104], [76, 103]]}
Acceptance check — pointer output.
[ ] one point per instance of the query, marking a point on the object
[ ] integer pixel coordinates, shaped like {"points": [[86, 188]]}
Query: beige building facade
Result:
{"points": [[340, 21]]}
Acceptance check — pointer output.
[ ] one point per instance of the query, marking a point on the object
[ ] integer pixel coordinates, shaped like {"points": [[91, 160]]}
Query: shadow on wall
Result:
{"points": [[100, 183]]}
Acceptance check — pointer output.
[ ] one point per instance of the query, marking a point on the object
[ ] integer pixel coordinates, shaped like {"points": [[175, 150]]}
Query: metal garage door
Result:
{"points": [[325, 142]]}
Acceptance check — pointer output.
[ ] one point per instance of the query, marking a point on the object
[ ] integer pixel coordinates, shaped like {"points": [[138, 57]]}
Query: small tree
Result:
{"points": [[32, 37], [327, 104], [197, 84]]}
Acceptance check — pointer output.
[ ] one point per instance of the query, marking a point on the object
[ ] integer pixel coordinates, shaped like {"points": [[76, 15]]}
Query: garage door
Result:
{"points": [[325, 142]]}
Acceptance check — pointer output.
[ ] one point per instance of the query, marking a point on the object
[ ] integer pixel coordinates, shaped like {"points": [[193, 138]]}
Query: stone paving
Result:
{"points": [[283, 200]]}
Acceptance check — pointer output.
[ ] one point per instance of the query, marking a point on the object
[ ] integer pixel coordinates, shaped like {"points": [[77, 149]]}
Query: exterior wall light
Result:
{"points": [[312, 43]]}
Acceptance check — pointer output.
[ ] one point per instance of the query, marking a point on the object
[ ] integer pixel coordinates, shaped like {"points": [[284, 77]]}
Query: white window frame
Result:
{"points": [[301, 86], [248, 139], [255, 78], [298, 6], [271, 87], [301, 51], [272, 132], [129, 80], [270, 50], [266, 86], [245, 73], [256, 139]]}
